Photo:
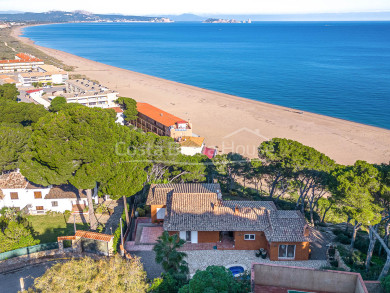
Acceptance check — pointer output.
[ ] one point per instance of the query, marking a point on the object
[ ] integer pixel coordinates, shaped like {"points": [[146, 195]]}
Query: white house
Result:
{"points": [[120, 118], [191, 145], [36, 95], [19, 193]]}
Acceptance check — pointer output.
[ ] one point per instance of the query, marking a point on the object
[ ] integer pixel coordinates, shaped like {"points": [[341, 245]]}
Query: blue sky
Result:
{"points": [[150, 7]]}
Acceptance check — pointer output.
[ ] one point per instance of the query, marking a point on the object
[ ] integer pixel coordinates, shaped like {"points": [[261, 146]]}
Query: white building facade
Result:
{"points": [[16, 192]]}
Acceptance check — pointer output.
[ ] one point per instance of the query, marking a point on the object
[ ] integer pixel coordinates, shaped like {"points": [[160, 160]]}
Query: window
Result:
{"points": [[14, 195], [286, 251], [37, 194], [160, 213], [54, 203], [39, 209], [249, 237], [188, 235]]}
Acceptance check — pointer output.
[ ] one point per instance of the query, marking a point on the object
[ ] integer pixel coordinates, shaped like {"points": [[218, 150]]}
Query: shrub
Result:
{"points": [[361, 243], [385, 282], [343, 239], [141, 212]]}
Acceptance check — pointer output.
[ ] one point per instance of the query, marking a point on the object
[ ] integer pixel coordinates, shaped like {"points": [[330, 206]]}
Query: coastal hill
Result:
{"points": [[75, 16]]}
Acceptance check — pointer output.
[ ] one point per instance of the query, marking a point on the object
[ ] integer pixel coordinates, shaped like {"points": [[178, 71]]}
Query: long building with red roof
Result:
{"points": [[22, 63], [153, 119]]}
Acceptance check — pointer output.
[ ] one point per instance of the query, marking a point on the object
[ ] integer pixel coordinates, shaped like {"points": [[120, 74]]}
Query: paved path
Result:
{"points": [[153, 270], [201, 259], [10, 281]]}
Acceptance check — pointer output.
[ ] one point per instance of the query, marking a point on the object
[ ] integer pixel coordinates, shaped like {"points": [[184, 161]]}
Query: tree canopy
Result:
{"points": [[75, 146], [167, 254], [23, 113], [215, 279], [113, 274], [13, 142], [15, 231], [9, 92], [129, 106]]}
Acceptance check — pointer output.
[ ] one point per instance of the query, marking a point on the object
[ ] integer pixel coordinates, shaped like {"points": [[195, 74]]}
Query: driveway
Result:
{"points": [[153, 270], [10, 280]]}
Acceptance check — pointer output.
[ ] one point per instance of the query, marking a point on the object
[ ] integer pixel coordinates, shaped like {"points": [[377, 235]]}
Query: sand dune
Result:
{"points": [[237, 124]]}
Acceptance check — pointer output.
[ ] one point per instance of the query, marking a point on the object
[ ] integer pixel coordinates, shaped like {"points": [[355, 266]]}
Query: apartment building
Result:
{"points": [[153, 119], [22, 63], [89, 93]]}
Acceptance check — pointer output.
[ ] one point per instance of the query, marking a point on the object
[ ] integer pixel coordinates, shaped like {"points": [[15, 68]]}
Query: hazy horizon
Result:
{"points": [[203, 7]]}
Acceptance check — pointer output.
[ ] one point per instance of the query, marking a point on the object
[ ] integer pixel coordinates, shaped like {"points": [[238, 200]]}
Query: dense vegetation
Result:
{"points": [[175, 276], [15, 231], [85, 147], [87, 275]]}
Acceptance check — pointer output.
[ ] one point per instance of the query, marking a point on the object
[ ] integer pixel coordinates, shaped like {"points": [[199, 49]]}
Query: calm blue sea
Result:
{"points": [[340, 69]]}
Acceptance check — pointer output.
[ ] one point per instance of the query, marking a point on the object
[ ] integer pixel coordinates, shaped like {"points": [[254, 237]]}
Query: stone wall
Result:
{"points": [[40, 257], [33, 258], [341, 263]]}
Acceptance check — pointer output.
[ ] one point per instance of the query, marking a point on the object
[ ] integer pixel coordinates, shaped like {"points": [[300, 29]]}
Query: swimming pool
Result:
{"points": [[236, 270]]}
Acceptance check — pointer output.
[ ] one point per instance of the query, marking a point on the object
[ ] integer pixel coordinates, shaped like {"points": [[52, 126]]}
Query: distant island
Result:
{"points": [[75, 16], [220, 20]]}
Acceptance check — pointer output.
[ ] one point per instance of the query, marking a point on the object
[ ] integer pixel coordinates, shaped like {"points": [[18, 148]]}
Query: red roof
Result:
{"points": [[209, 152], [158, 115], [94, 235], [117, 109], [23, 59], [33, 91]]}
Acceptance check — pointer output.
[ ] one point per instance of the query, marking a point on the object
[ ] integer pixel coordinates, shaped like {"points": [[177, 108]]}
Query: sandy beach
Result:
{"points": [[236, 124]]}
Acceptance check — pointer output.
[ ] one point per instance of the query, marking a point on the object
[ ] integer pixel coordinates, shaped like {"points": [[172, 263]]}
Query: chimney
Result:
{"points": [[306, 231], [161, 114], [219, 194], [236, 210]]}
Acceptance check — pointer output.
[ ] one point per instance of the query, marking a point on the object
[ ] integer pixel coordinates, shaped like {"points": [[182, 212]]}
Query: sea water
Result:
{"points": [[339, 69]]}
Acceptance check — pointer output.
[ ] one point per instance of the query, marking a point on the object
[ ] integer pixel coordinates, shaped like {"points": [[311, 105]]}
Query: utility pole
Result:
{"points": [[121, 234], [21, 280], [74, 223]]}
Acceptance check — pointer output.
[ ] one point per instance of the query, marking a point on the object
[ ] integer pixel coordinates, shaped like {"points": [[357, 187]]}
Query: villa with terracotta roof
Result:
{"points": [[199, 215], [19, 193], [191, 145], [152, 119], [22, 63]]}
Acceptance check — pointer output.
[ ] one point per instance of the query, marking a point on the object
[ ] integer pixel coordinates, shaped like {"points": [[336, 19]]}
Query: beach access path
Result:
{"points": [[234, 124]]}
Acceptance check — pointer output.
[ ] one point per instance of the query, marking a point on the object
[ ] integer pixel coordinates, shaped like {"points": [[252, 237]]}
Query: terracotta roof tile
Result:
{"points": [[158, 192], [13, 180], [191, 141], [65, 191], [158, 115], [117, 109], [24, 58], [199, 207], [94, 235]]}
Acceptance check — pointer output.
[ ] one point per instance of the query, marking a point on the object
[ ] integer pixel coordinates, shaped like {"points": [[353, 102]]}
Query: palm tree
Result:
{"points": [[167, 255]]}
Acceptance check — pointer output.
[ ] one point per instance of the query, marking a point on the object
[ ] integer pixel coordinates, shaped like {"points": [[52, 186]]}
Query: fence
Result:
{"points": [[28, 250]]}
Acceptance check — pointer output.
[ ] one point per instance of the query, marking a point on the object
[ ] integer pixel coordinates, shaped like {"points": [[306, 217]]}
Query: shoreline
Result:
{"points": [[235, 123]]}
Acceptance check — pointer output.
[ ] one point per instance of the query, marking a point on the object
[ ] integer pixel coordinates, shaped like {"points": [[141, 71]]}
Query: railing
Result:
{"points": [[28, 250]]}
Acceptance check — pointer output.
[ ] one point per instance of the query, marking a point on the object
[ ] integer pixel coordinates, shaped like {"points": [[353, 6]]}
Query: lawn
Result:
{"points": [[49, 227]]}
